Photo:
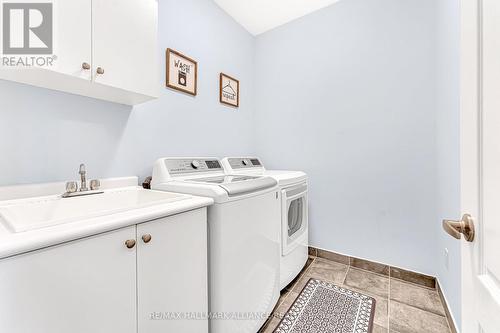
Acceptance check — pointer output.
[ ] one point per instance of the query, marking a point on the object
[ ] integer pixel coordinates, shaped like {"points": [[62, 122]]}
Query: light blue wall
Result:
{"points": [[448, 147], [44, 135], [347, 94]]}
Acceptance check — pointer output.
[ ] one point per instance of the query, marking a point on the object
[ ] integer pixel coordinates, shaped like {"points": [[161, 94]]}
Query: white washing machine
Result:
{"points": [[244, 243], [294, 212]]}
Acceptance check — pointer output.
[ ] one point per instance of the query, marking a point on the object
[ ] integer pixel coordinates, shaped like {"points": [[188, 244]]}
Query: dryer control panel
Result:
{"points": [[244, 163], [190, 165]]}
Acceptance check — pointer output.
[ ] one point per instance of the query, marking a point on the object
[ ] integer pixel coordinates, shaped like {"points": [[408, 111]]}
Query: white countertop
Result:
{"points": [[12, 243]]}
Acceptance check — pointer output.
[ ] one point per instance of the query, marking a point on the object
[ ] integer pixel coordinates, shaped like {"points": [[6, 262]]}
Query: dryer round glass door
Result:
{"points": [[295, 216]]}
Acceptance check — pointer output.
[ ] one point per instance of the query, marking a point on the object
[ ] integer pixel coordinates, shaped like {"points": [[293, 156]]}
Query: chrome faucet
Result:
{"points": [[83, 177], [72, 187]]}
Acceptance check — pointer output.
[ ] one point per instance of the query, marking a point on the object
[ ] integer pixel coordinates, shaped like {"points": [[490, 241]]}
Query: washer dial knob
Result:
{"points": [[195, 164]]}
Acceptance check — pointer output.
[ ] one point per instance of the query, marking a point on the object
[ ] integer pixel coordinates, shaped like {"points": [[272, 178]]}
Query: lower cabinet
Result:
{"points": [[141, 278], [172, 274]]}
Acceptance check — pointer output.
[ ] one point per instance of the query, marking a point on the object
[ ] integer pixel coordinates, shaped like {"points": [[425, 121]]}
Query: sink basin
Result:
{"points": [[35, 213]]}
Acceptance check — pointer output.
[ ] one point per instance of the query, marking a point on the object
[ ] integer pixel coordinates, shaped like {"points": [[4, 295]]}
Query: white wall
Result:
{"points": [[448, 148], [348, 95], [45, 135]]}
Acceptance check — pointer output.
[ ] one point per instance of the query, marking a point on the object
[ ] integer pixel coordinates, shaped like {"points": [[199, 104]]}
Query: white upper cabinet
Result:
{"points": [[73, 38], [125, 47], [105, 49]]}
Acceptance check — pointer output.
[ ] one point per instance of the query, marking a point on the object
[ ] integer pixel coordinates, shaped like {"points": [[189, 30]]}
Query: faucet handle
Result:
{"points": [[71, 187], [95, 184]]}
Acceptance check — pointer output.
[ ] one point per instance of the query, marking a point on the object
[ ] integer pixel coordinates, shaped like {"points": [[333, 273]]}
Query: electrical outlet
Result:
{"points": [[446, 258]]}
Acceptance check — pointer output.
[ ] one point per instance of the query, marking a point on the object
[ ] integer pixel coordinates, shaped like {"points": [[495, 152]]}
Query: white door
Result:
{"points": [[172, 274], [480, 163], [125, 45], [73, 37], [84, 286], [72, 41]]}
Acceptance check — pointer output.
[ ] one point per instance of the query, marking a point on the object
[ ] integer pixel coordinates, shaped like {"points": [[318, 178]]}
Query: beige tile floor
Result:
{"points": [[401, 307]]}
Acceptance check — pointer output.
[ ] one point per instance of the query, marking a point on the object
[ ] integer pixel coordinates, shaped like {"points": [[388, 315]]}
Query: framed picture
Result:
{"points": [[182, 72], [229, 90]]}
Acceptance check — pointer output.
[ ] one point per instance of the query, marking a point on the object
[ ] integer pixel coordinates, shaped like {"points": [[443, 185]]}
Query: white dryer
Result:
{"points": [[244, 243], [294, 212]]}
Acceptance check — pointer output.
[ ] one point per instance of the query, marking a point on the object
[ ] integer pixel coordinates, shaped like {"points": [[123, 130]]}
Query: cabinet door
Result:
{"points": [[73, 37], [172, 274], [125, 44], [82, 286]]}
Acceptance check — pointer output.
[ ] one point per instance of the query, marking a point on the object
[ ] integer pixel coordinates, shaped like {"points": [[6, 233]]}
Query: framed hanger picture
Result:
{"points": [[182, 72], [229, 90]]}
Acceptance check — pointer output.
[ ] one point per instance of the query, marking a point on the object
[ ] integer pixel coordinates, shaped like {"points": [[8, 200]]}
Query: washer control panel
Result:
{"points": [[186, 165], [244, 163]]}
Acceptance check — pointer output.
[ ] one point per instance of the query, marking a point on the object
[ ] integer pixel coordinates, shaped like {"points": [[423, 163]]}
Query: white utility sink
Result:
{"points": [[35, 213]]}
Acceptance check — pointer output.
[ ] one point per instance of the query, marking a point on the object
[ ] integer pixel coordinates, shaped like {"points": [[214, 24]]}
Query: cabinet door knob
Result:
{"points": [[100, 70], [86, 66], [130, 243], [146, 238]]}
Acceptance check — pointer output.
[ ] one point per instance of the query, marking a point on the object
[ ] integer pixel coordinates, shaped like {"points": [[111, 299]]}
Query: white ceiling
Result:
{"points": [[258, 16]]}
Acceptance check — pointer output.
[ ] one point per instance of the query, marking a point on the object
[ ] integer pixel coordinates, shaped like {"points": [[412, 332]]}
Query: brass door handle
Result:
{"points": [[146, 238], [457, 228], [86, 66], [130, 243], [100, 70]]}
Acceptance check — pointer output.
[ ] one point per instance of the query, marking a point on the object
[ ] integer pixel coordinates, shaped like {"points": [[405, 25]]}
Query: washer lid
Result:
{"points": [[237, 185], [222, 179]]}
